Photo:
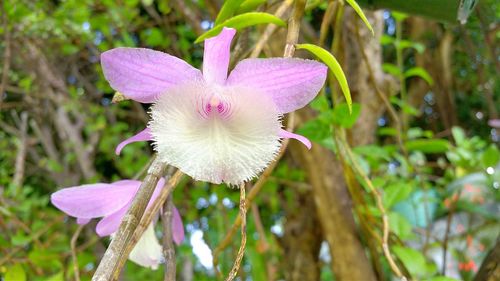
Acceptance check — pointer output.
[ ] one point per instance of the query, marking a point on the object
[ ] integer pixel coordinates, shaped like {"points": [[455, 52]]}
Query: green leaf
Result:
{"points": [[343, 116], [458, 135], [386, 40], [334, 66], [399, 16], [413, 260], [490, 156], [227, 10], [360, 13], [395, 193], [249, 5], [241, 21], [404, 44], [315, 130], [400, 225], [441, 278], [428, 145], [15, 273], [420, 72], [391, 69], [56, 277]]}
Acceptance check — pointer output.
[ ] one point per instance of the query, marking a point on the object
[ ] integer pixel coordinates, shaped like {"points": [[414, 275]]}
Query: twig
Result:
{"points": [[150, 213], [270, 29], [21, 153], [168, 244], [6, 55], [32, 238], [74, 238], [110, 263], [241, 250], [330, 12], [453, 205]]}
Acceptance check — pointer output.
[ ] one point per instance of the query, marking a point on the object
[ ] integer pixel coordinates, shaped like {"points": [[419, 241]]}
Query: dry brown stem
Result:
{"points": [[110, 264]]}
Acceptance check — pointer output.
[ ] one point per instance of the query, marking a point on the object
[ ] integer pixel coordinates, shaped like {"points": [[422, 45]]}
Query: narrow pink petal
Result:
{"points": [[495, 123], [216, 56], [302, 139], [110, 224], [292, 83], [95, 200], [143, 74], [144, 135], [177, 227], [82, 221], [156, 192]]}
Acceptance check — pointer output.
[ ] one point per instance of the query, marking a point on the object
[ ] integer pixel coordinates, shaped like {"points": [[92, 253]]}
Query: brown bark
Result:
{"points": [[490, 268], [333, 206], [358, 73], [302, 239], [437, 61]]}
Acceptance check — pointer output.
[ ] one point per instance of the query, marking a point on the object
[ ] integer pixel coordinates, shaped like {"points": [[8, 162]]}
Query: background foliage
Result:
{"points": [[427, 150]]}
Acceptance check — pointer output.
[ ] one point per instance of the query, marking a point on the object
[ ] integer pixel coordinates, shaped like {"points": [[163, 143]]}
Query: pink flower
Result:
{"points": [[495, 123], [212, 126], [111, 202]]}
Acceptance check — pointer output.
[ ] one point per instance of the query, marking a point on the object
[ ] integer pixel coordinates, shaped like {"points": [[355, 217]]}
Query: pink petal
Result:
{"points": [[495, 123], [143, 74], [302, 139], [144, 135], [216, 56], [110, 224], [177, 227], [95, 200], [292, 83], [82, 221]]}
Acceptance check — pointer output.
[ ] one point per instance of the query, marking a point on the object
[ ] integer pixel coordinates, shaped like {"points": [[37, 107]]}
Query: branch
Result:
{"points": [[74, 238], [168, 244], [21, 153], [6, 55], [148, 216], [110, 264]]}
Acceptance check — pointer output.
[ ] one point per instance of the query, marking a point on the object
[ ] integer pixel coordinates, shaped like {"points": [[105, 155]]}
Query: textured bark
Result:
{"points": [[333, 207], [301, 241], [358, 73], [490, 268]]}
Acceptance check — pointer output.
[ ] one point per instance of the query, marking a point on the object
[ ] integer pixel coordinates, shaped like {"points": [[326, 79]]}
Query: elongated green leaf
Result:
{"points": [[428, 145], [420, 72], [334, 66], [360, 13], [227, 10], [241, 21], [249, 5]]}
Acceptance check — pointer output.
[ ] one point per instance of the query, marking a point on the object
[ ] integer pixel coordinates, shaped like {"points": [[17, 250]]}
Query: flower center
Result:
{"points": [[215, 106]]}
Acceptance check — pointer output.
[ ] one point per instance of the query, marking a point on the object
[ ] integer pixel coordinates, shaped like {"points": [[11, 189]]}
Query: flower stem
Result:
{"points": [[241, 250]]}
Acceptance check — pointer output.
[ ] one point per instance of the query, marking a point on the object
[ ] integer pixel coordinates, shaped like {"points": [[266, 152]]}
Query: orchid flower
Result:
{"points": [[214, 127], [111, 202]]}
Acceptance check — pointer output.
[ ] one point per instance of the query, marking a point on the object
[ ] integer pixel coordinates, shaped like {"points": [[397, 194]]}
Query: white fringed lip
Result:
{"points": [[216, 134]]}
